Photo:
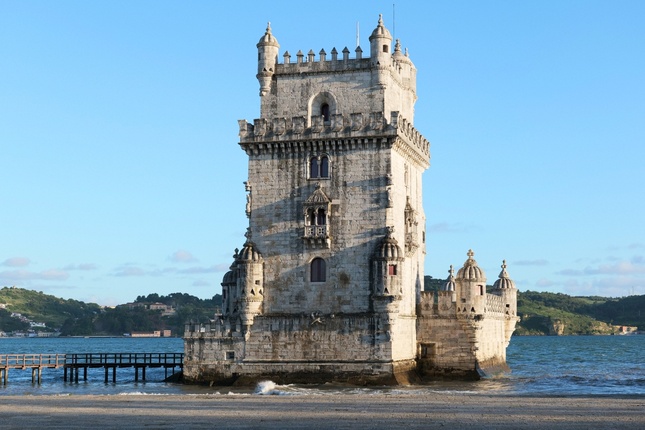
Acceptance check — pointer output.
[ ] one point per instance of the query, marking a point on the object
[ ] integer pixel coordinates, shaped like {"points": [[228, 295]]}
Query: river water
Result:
{"points": [[567, 365]]}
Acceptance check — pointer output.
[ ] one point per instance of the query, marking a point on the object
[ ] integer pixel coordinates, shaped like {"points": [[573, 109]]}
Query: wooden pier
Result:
{"points": [[35, 362], [73, 363]]}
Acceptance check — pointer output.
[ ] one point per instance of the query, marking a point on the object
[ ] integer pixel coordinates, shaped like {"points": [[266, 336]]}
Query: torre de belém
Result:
{"points": [[328, 285]]}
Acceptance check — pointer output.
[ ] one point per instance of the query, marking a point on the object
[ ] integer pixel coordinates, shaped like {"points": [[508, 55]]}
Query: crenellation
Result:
{"points": [[263, 131]]}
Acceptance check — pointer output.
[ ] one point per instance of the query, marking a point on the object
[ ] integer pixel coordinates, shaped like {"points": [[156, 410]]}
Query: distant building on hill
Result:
{"points": [[329, 284]]}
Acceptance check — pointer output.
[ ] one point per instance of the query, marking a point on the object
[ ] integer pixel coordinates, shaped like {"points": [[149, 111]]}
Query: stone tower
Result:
{"points": [[328, 282]]}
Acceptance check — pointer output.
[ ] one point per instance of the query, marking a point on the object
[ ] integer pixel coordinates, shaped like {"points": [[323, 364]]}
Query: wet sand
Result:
{"points": [[317, 412]]}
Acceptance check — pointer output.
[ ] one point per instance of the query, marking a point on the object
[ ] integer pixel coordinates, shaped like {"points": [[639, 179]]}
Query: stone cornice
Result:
{"points": [[282, 135]]}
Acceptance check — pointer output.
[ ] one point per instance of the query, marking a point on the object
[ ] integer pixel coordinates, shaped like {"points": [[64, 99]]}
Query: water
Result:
{"points": [[570, 365]]}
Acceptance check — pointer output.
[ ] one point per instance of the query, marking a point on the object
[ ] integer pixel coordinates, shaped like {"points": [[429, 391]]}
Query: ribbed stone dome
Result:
{"points": [[249, 253], [389, 248], [399, 55], [380, 30], [268, 38], [471, 271], [504, 282], [450, 284], [229, 278]]}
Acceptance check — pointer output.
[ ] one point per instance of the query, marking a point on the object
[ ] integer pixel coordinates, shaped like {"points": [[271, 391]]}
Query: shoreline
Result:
{"points": [[355, 411]]}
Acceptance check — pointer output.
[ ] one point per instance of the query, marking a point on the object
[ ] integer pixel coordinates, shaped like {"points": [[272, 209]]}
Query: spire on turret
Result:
{"points": [[450, 282], [504, 281], [470, 270]]}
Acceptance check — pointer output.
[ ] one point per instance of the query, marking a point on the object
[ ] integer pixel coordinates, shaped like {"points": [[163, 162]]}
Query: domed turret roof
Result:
{"points": [[471, 271], [229, 278], [399, 55], [249, 253], [389, 248], [380, 30], [504, 282], [268, 38], [450, 284]]}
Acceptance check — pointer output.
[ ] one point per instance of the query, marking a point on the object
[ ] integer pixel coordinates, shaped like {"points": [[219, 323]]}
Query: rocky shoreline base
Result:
{"points": [[350, 411]]}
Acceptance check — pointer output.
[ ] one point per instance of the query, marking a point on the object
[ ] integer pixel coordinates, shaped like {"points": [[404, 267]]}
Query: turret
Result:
{"points": [[380, 56], [471, 282], [387, 267], [505, 287], [267, 59], [249, 265], [387, 275], [380, 44]]}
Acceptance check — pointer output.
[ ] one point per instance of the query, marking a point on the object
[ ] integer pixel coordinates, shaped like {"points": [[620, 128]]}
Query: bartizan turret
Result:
{"points": [[268, 48], [249, 263], [471, 288], [380, 52], [505, 288], [387, 274]]}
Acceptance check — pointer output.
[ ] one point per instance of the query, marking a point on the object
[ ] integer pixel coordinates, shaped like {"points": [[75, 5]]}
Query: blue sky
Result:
{"points": [[120, 172]]}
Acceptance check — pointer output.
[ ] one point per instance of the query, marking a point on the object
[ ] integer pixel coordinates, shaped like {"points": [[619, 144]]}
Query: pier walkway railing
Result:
{"points": [[75, 362]]}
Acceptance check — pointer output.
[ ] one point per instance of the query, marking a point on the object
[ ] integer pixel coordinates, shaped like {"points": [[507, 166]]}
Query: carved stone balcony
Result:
{"points": [[317, 236]]}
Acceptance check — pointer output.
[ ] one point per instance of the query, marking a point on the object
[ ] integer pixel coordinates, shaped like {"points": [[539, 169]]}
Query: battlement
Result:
{"points": [[358, 124], [308, 63]]}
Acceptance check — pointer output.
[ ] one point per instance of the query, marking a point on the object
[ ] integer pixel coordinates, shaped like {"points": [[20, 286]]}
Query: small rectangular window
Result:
{"points": [[230, 355], [391, 269]]}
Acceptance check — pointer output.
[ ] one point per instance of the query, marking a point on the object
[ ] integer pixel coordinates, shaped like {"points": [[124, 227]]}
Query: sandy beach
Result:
{"points": [[315, 412]]}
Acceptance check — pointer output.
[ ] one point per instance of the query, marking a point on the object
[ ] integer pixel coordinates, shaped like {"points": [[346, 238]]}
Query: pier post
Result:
{"points": [[85, 373], [5, 375], [114, 374], [64, 374], [106, 374], [136, 374]]}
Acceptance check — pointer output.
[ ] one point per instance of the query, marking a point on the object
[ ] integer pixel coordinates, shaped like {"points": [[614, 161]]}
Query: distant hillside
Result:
{"points": [[76, 318], [43, 308], [557, 313]]}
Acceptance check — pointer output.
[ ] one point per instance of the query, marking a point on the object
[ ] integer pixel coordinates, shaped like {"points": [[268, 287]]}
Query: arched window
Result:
{"points": [[319, 167], [324, 167], [321, 219], [318, 270], [324, 111], [313, 168]]}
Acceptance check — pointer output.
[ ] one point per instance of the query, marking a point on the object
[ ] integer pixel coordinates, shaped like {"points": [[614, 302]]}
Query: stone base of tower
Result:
{"points": [[352, 373], [355, 349]]}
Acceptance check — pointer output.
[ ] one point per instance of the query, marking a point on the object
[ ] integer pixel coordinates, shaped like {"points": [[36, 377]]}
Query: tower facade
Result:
{"points": [[328, 282]]}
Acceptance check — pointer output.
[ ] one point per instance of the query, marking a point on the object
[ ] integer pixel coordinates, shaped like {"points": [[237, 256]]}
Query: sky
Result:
{"points": [[121, 173]]}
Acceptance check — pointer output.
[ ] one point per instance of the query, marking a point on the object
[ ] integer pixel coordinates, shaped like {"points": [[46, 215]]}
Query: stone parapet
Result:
{"points": [[495, 305], [293, 134]]}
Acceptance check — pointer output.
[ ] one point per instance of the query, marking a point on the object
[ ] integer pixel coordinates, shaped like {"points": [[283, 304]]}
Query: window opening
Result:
{"points": [[391, 269], [324, 111], [318, 270], [321, 219], [313, 168], [324, 167]]}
